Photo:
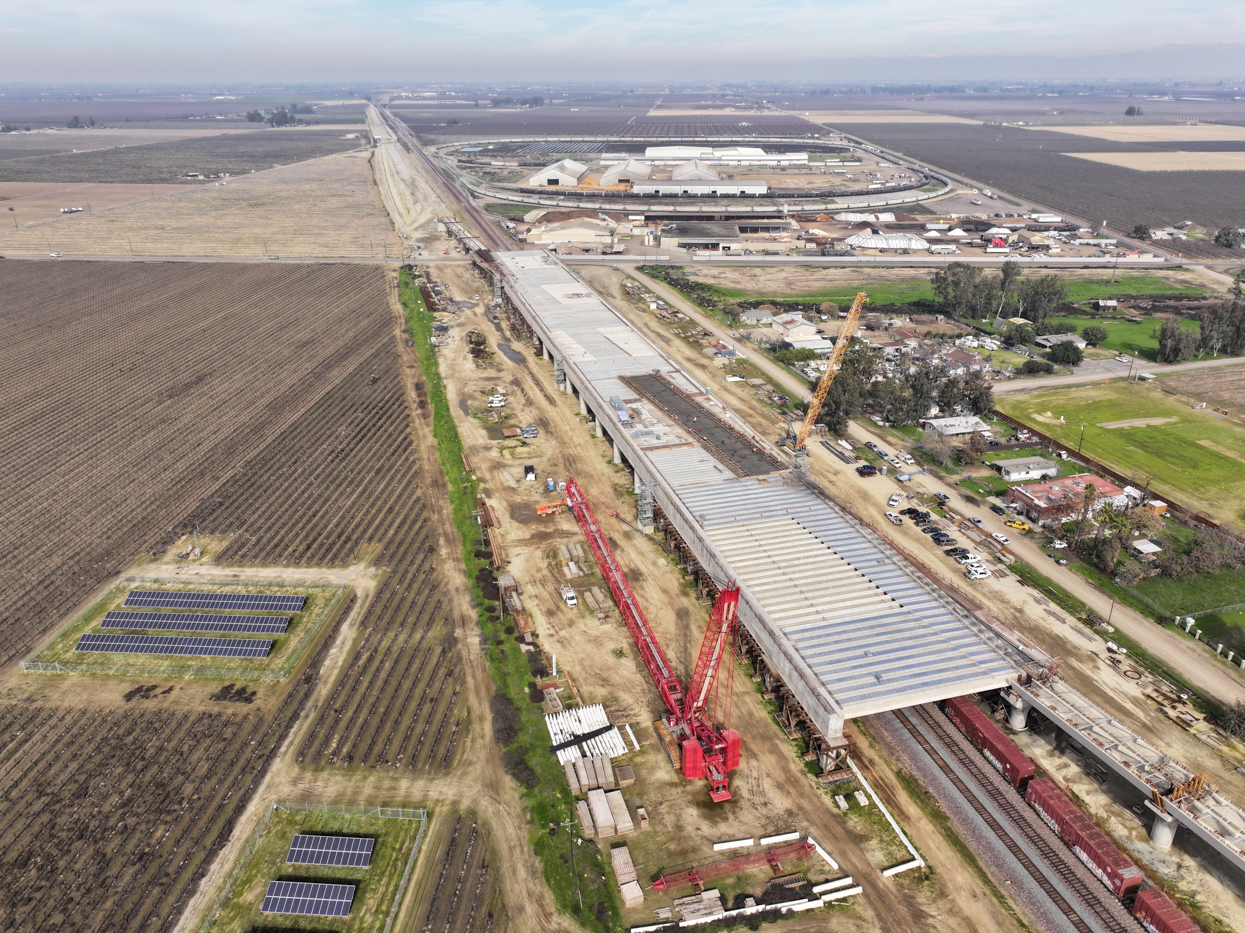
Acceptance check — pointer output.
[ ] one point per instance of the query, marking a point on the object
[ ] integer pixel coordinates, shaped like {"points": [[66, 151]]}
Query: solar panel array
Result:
{"points": [[347, 851], [194, 622], [172, 644], [308, 898], [253, 602]]}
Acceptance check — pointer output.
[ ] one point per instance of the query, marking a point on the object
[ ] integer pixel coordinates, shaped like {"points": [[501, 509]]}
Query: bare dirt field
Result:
{"points": [[324, 208], [192, 369], [1223, 388], [834, 117], [27, 202], [1169, 161], [1149, 133], [168, 162]]}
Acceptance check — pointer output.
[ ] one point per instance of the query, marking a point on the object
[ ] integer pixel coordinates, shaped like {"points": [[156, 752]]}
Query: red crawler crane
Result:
{"points": [[708, 750]]}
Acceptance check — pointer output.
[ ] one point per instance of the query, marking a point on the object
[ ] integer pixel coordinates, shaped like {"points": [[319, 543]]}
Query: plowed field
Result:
{"points": [[132, 391]]}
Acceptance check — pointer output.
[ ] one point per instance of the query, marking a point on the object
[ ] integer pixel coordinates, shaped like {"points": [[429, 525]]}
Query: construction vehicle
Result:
{"points": [[551, 508], [833, 364], [707, 748]]}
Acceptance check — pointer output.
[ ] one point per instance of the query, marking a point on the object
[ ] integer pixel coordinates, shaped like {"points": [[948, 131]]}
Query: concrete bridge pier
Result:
{"points": [[1163, 829], [1017, 711]]}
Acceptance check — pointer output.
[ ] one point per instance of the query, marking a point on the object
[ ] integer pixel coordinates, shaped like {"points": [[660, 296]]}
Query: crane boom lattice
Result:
{"points": [[708, 750], [833, 365]]}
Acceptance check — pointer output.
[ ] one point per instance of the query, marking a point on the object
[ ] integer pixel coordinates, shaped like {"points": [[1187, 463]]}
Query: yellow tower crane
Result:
{"points": [[833, 364]]}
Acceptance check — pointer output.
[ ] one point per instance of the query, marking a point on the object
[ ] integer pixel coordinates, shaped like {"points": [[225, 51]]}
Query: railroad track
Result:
{"points": [[451, 194], [1040, 842]]}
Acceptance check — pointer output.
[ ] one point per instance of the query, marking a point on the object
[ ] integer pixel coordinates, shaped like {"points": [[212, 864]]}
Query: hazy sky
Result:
{"points": [[331, 40]]}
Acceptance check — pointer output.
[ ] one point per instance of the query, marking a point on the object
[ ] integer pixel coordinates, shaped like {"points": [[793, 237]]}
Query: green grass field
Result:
{"points": [[1130, 285], [1195, 457], [1123, 336], [375, 886]]}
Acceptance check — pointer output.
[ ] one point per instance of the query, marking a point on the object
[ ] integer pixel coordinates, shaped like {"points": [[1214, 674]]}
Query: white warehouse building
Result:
{"points": [[704, 189], [564, 174]]}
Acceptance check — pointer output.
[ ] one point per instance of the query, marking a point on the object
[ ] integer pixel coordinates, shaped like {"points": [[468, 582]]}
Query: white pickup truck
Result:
{"points": [[569, 596]]}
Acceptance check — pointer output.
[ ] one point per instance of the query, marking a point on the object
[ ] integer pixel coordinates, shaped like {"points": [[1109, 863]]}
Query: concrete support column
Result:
{"points": [[643, 504], [583, 404], [545, 351], [597, 424], [559, 373], [617, 452], [1163, 829], [1017, 712]]}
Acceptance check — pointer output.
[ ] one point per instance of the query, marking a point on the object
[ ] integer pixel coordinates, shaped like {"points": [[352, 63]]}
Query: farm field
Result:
{"points": [[193, 369], [1195, 457], [1222, 388], [325, 207], [314, 500], [28, 202], [375, 886], [1033, 165], [114, 807], [1160, 132], [457, 885], [1174, 161], [168, 162]]}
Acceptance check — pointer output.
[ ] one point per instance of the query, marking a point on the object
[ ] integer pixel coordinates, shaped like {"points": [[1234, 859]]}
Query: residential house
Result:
{"points": [[1057, 499], [1019, 469], [959, 363], [956, 427], [1051, 339]]}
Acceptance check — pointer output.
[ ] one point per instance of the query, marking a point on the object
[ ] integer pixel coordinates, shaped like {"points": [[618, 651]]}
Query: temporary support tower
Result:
{"points": [[708, 749]]}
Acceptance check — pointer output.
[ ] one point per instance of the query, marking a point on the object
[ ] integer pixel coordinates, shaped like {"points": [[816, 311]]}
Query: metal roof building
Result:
{"points": [[850, 627]]}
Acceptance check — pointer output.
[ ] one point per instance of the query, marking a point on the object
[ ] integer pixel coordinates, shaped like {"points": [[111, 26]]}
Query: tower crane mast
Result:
{"points": [[833, 364]]}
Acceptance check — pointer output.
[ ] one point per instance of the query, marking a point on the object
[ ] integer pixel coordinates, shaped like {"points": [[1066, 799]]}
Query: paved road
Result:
{"points": [[352, 259], [1097, 370]]}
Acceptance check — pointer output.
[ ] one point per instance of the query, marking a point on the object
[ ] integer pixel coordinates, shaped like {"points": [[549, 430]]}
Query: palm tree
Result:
{"points": [[1088, 496]]}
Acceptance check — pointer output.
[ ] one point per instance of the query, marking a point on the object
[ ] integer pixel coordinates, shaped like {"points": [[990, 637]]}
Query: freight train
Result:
{"points": [[1151, 908]]}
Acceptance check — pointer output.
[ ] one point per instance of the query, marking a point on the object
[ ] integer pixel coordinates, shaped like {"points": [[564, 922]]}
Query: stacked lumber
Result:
{"points": [[624, 868], [586, 827], [619, 812], [581, 774], [632, 894], [641, 816], [606, 770], [571, 778], [700, 906], [602, 816]]}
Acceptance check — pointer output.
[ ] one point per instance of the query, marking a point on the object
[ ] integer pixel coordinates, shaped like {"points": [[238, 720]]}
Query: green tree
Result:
{"points": [[1031, 367], [793, 356], [963, 291], [254, 116], [974, 446], [1230, 238], [1042, 296], [74, 123], [1051, 326], [1175, 343], [1132, 111], [950, 393], [1142, 232], [1095, 334], [1019, 335], [978, 395], [1066, 353], [829, 308]]}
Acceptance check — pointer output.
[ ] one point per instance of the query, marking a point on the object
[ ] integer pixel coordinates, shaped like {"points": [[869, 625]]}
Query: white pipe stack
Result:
{"points": [[570, 723]]}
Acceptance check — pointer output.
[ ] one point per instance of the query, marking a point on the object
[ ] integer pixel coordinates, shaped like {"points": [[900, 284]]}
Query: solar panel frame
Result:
{"points": [[308, 899], [193, 622], [174, 645], [253, 602], [341, 851]]}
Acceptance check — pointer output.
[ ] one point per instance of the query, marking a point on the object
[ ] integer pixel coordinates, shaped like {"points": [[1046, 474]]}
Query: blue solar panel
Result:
{"points": [[348, 851], [172, 644], [308, 898], [252, 602], [194, 622]]}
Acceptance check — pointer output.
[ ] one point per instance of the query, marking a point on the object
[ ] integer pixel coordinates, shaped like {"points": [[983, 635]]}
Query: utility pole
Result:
{"points": [[570, 845], [1081, 441]]}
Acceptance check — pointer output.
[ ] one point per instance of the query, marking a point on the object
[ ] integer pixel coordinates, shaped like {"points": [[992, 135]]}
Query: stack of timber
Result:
{"points": [[700, 906], [625, 775], [586, 827], [619, 813], [624, 868], [602, 816]]}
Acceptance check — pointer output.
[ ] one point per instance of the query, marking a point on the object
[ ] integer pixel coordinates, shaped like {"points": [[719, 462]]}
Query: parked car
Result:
{"points": [[996, 443], [1017, 524], [866, 470], [956, 551], [998, 510], [942, 497], [895, 499], [1121, 358], [930, 530], [910, 511], [872, 446], [977, 573], [976, 521], [1001, 538], [895, 519], [944, 540], [1059, 545]]}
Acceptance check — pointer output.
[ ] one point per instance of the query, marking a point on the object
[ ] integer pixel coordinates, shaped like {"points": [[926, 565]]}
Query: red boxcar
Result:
{"points": [[1001, 751], [1158, 914], [1090, 844]]}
